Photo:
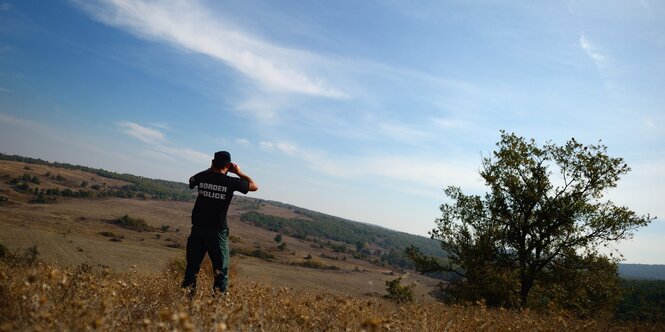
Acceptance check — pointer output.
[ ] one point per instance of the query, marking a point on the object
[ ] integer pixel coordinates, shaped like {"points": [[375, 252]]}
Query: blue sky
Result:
{"points": [[361, 109]]}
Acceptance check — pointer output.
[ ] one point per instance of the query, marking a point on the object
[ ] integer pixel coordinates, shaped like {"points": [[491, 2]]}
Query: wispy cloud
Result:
{"points": [[5, 6], [5, 90], [448, 123], [242, 141], [598, 58], [194, 27], [144, 134], [158, 145], [402, 132], [423, 171]]}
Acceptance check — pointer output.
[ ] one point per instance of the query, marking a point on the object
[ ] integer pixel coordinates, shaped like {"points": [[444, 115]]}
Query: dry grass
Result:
{"points": [[47, 297]]}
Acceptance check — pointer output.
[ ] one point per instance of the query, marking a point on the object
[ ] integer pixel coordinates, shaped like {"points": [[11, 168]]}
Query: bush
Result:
{"points": [[113, 236], [164, 228], [282, 246], [258, 253], [397, 292], [314, 264], [3, 250], [135, 224], [31, 254]]}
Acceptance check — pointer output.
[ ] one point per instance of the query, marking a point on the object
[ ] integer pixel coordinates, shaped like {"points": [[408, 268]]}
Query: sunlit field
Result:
{"points": [[40, 296]]}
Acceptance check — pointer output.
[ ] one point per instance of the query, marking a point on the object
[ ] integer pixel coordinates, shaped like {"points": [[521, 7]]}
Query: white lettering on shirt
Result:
{"points": [[212, 190]]}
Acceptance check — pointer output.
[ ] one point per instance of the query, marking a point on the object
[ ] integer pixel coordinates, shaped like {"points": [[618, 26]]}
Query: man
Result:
{"points": [[210, 230]]}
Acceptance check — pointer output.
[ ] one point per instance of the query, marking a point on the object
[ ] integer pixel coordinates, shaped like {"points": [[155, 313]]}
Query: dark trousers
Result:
{"points": [[215, 243]]}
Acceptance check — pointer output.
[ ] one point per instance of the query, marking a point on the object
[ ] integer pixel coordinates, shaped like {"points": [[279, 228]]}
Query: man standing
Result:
{"points": [[210, 230]]}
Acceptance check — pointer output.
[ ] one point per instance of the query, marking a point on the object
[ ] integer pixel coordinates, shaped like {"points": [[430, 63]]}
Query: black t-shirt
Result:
{"points": [[215, 194]]}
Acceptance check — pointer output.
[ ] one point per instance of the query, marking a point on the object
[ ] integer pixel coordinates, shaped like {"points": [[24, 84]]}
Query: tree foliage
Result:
{"points": [[539, 227]]}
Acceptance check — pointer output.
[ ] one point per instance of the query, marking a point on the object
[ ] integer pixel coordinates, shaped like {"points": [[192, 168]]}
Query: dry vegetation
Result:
{"points": [[46, 297], [84, 282]]}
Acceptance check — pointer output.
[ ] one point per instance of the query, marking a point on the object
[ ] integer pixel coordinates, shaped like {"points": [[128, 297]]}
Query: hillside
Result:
{"points": [[370, 242], [642, 271], [69, 213]]}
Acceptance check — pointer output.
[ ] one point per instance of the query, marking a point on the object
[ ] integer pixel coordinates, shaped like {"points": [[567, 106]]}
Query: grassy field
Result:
{"points": [[49, 297]]}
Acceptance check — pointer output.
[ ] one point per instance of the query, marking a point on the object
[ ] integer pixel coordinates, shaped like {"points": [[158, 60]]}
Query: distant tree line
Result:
{"points": [[357, 235], [140, 187], [642, 300]]}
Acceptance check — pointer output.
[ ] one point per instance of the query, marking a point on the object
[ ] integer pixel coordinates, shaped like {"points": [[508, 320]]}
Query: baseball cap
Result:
{"points": [[221, 159]]}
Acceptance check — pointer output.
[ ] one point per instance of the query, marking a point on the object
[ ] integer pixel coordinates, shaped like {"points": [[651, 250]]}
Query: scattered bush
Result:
{"points": [[175, 245], [258, 253], [164, 228], [314, 264], [31, 254], [113, 236], [135, 224], [3, 250], [282, 246], [397, 292]]}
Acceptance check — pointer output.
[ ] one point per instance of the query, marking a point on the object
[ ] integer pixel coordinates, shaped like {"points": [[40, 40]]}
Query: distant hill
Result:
{"points": [[642, 271], [365, 241]]}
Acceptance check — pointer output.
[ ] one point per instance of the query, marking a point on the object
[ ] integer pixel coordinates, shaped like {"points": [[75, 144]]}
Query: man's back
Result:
{"points": [[215, 192]]}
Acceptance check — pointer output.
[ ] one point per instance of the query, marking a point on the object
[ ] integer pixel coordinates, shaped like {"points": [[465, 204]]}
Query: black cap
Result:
{"points": [[221, 159]]}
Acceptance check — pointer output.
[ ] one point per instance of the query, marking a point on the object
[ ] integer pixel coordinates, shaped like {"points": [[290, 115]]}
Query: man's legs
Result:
{"points": [[196, 250], [218, 250]]}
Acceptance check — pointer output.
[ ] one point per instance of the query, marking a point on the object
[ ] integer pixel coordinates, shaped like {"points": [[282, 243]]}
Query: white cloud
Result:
{"points": [[447, 123], [5, 90], [598, 58], [5, 6], [157, 145], [144, 134], [402, 133], [242, 141], [195, 28], [423, 171], [286, 148]]}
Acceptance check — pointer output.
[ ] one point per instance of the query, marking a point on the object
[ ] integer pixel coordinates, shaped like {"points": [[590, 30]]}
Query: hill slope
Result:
{"points": [[68, 215]]}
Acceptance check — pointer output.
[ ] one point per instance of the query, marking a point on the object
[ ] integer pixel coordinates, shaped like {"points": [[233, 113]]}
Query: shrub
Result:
{"points": [[31, 254], [397, 292], [135, 224], [282, 246], [258, 253], [314, 264], [3, 250], [113, 236], [164, 228]]}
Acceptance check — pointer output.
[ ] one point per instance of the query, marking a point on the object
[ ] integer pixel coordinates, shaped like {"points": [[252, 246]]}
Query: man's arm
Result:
{"points": [[235, 169]]}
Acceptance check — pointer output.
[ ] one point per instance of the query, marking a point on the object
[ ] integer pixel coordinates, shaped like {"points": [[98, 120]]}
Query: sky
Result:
{"points": [[361, 109]]}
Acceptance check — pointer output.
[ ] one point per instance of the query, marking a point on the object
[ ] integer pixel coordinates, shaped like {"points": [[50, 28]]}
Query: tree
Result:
{"points": [[544, 216], [278, 238], [397, 292]]}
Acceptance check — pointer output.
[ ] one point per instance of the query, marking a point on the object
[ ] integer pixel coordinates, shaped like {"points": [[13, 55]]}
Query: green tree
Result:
{"points": [[397, 292], [278, 238], [544, 216]]}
